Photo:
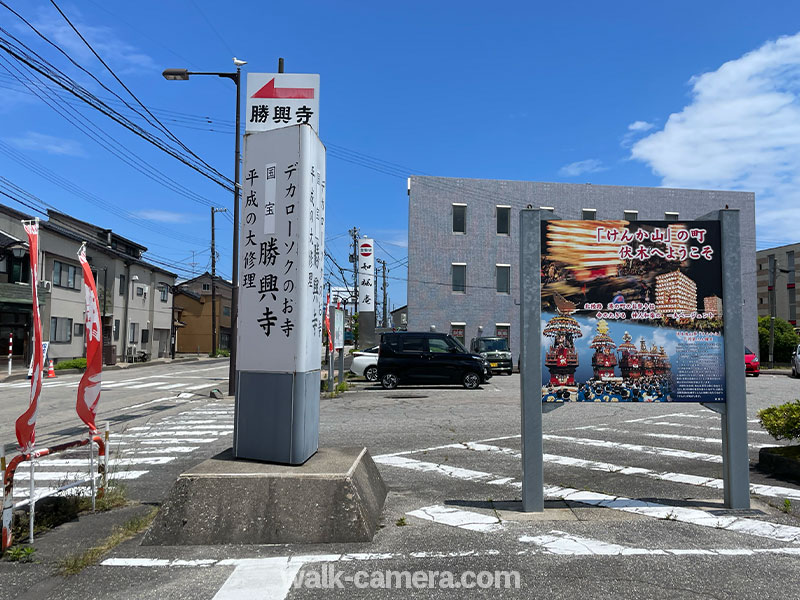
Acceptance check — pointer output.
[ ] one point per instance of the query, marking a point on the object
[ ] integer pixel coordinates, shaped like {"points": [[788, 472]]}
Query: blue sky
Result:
{"points": [[685, 94]]}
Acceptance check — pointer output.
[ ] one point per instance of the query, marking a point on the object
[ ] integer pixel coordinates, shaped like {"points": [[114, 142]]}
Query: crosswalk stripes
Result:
{"points": [[131, 448], [458, 465], [163, 382]]}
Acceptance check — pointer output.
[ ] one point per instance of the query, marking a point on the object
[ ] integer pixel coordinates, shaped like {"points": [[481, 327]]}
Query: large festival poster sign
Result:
{"points": [[632, 311]]}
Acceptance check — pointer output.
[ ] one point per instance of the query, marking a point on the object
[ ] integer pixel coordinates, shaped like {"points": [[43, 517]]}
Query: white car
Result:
{"points": [[796, 362], [365, 363]]}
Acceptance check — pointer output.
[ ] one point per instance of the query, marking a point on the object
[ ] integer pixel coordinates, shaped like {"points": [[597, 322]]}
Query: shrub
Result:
{"points": [[782, 422], [75, 363], [786, 340], [220, 352]]}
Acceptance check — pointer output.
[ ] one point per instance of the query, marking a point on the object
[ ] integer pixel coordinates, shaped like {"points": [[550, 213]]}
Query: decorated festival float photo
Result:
{"points": [[631, 311]]}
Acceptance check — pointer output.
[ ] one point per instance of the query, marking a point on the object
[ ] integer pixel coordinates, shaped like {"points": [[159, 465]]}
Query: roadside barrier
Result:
{"points": [[10, 469]]}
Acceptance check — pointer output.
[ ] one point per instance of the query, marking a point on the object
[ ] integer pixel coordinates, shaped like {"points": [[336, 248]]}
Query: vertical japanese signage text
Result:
{"points": [[282, 244], [365, 254]]}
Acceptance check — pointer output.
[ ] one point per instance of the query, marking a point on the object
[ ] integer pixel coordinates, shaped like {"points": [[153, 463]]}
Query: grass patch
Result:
{"points": [[75, 563], [401, 522], [116, 496], [23, 554]]}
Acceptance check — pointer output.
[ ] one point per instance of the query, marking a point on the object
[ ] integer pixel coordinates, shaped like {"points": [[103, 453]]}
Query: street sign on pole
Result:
{"points": [[366, 275], [276, 100]]}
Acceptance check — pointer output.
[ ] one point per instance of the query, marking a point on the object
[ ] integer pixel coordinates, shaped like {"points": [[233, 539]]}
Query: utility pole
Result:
{"points": [[214, 283], [383, 271], [354, 259], [771, 291]]}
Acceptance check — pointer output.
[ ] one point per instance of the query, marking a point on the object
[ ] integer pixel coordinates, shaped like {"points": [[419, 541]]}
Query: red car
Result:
{"points": [[751, 364]]}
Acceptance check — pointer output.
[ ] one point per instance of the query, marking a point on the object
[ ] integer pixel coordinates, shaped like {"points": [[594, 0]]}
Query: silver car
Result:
{"points": [[365, 363]]}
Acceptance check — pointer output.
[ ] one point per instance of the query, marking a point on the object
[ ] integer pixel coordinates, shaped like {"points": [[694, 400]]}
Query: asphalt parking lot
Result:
{"points": [[634, 508]]}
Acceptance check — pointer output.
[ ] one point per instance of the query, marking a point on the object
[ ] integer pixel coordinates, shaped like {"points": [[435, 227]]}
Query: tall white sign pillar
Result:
{"points": [[281, 299]]}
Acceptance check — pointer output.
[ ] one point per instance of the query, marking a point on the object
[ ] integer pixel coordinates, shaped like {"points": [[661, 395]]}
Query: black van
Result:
{"points": [[428, 358]]}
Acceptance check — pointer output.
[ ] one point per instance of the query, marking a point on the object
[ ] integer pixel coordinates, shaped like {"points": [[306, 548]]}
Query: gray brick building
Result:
{"points": [[775, 277], [463, 244]]}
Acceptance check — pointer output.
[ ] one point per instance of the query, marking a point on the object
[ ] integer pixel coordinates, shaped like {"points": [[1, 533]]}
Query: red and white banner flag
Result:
{"points": [[89, 387], [26, 424]]}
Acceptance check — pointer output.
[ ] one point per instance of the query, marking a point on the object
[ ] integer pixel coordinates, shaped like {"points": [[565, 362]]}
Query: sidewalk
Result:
{"points": [[21, 372]]}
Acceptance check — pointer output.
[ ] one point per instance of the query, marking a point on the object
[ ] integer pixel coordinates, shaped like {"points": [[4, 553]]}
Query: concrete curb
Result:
{"points": [[118, 367]]}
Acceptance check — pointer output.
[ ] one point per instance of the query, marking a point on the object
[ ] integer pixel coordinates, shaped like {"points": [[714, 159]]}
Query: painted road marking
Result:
{"points": [[667, 436], [658, 451], [114, 462], [701, 427], [562, 543], [755, 527], [463, 519]]}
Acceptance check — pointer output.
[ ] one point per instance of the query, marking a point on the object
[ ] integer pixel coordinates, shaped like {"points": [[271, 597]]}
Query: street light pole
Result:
{"points": [[235, 265], [183, 75]]}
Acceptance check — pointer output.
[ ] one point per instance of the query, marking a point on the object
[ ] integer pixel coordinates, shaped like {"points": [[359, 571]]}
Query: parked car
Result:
{"points": [[495, 350], [796, 362], [365, 363], [751, 364], [427, 357]]}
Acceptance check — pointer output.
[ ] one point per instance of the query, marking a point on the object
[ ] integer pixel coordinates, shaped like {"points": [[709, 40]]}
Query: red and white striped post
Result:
{"points": [[10, 347]]}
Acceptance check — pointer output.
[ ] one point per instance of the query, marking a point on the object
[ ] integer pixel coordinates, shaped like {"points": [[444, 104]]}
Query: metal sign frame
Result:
{"points": [[735, 456]]}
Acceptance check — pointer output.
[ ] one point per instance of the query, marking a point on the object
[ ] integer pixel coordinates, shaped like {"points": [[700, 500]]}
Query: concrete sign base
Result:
{"points": [[336, 496]]}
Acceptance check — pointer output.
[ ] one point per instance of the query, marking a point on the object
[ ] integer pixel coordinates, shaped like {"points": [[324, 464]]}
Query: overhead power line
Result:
{"points": [[25, 55]]}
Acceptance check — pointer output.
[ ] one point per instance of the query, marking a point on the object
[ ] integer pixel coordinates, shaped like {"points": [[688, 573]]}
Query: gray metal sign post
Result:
{"points": [[531, 360], [735, 454]]}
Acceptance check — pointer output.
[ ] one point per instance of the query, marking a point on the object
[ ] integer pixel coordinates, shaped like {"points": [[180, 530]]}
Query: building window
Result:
{"points": [[457, 331], [459, 278], [116, 330], [503, 220], [3, 267], [66, 276], [164, 293], [206, 287], [145, 335], [78, 331], [133, 334], [502, 330], [631, 215], [588, 214], [503, 279], [122, 286], [139, 290], [671, 216], [224, 341], [60, 330], [226, 311], [459, 218]]}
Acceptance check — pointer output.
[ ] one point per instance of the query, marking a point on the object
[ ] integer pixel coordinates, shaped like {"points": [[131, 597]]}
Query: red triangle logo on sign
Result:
{"points": [[270, 91]]}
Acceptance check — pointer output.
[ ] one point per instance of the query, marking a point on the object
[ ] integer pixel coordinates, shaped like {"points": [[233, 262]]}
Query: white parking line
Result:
{"points": [[463, 519], [715, 458]]}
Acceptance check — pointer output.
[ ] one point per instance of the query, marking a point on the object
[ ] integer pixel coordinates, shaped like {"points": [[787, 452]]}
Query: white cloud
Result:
{"points": [[591, 165], [117, 53], [635, 129], [164, 216], [40, 142], [640, 126], [741, 131]]}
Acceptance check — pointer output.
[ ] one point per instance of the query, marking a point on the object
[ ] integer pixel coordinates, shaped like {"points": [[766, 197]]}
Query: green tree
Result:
{"points": [[786, 340]]}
